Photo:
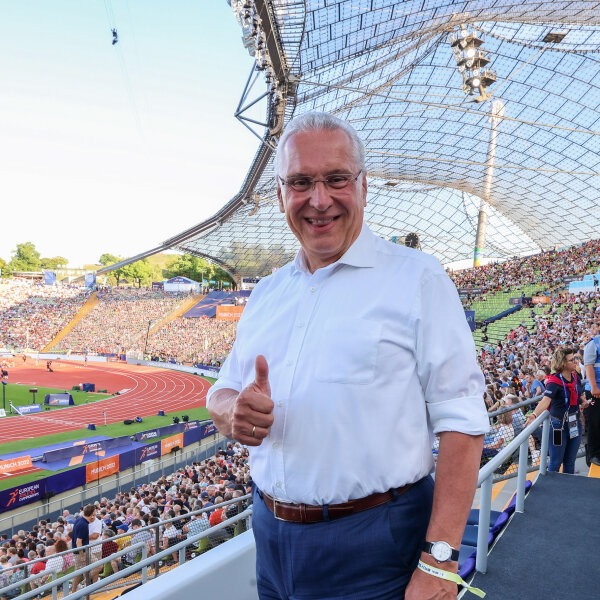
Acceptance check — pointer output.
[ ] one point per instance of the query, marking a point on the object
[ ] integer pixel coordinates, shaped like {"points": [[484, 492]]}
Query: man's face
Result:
{"points": [[325, 221]]}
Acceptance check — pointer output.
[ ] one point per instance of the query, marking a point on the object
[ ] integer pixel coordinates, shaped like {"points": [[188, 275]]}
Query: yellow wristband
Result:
{"points": [[450, 577]]}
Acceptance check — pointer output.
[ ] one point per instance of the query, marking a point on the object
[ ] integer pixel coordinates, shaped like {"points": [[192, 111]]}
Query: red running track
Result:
{"points": [[149, 389]]}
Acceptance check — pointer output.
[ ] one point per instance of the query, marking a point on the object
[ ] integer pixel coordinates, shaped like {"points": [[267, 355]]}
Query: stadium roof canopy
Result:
{"points": [[388, 68]]}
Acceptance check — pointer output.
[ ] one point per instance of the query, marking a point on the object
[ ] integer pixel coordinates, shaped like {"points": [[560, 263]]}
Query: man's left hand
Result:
{"points": [[427, 587]]}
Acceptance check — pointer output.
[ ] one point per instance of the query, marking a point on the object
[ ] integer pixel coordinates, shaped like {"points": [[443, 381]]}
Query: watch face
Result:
{"points": [[441, 551]]}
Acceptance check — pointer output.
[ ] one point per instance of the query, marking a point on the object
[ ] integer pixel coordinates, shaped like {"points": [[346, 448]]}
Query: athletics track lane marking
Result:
{"points": [[144, 399]]}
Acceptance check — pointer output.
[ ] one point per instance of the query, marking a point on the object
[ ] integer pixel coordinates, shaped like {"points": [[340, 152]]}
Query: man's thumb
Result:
{"points": [[262, 374]]}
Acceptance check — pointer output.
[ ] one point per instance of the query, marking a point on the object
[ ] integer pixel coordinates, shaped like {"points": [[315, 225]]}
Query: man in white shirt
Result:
{"points": [[357, 347], [95, 530]]}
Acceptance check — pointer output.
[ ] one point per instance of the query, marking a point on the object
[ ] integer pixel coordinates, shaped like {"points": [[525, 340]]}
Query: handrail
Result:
{"points": [[486, 474], [505, 409], [66, 578], [142, 565], [154, 526]]}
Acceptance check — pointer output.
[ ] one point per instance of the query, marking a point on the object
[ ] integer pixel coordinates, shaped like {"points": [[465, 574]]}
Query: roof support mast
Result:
{"points": [[496, 115]]}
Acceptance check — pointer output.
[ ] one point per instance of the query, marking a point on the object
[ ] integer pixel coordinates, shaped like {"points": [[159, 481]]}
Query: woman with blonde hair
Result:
{"points": [[564, 398]]}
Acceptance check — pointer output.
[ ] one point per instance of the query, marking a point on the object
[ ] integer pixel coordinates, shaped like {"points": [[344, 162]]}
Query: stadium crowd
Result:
{"points": [[200, 485], [568, 319], [549, 268], [32, 314], [199, 341], [120, 321]]}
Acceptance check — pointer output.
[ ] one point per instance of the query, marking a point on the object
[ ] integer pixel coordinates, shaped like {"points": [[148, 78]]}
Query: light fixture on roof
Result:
{"points": [[412, 240], [471, 59]]}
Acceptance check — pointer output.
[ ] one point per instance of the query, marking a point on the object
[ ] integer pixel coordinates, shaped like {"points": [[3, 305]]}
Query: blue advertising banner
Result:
{"points": [[81, 449], [59, 400], [208, 429], [67, 480], [22, 495], [191, 436], [90, 280], [49, 277], [470, 314], [148, 452], [151, 434], [126, 460], [28, 409]]}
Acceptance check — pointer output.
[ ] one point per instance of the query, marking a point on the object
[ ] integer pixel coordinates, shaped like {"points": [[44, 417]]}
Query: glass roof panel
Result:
{"points": [[388, 68]]}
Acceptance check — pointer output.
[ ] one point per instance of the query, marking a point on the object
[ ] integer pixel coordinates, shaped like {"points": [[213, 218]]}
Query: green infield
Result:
{"points": [[20, 395], [110, 430]]}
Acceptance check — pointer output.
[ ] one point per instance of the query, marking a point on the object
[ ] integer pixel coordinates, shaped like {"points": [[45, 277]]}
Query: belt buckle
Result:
{"points": [[275, 502]]}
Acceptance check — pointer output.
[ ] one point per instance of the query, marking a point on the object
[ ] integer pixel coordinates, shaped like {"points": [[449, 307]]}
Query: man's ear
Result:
{"points": [[280, 197], [364, 188]]}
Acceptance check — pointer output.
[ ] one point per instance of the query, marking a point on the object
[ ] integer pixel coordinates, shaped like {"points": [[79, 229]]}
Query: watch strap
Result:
{"points": [[428, 547]]}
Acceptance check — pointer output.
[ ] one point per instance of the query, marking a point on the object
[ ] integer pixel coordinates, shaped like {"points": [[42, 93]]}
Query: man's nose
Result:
{"points": [[319, 197]]}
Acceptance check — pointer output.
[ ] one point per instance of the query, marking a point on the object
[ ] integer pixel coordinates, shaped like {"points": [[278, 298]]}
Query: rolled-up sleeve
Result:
{"points": [[447, 367], [589, 353]]}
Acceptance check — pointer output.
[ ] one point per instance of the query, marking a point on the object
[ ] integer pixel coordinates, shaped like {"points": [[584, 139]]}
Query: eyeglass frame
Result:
{"points": [[285, 182]]}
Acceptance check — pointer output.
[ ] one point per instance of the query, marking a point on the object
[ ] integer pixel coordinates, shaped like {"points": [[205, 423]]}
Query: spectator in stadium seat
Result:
{"points": [[170, 536], [519, 422], [345, 372], [16, 576], [58, 564], [138, 537], [108, 548], [197, 524], [5, 573]]}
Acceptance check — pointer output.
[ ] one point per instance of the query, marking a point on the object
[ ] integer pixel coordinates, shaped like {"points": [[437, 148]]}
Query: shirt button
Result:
{"points": [[275, 445], [278, 484], [289, 363], [313, 289], [280, 403]]}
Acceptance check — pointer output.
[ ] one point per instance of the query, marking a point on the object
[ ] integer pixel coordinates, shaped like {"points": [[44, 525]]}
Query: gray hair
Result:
{"points": [[321, 121]]}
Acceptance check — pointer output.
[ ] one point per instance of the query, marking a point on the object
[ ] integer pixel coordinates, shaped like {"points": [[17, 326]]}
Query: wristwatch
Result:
{"points": [[441, 551]]}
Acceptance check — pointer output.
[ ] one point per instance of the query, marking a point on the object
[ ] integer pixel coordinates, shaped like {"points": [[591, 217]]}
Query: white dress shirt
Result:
{"points": [[367, 358]]}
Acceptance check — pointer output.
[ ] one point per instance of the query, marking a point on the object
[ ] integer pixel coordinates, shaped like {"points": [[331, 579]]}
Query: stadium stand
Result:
{"points": [[120, 320], [32, 314], [172, 499], [195, 340]]}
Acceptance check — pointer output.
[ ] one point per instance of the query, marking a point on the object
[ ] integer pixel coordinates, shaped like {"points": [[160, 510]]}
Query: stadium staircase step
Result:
{"points": [[181, 309], [550, 550], [85, 310]]}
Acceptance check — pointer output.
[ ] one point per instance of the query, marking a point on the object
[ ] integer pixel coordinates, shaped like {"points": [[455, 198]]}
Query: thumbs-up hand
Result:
{"points": [[253, 411]]}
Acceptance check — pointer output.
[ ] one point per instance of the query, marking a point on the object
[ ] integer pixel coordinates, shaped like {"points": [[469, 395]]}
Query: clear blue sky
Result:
{"points": [[116, 148]]}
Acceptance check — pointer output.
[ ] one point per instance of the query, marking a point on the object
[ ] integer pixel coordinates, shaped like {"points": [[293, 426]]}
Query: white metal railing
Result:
{"points": [[485, 480]]}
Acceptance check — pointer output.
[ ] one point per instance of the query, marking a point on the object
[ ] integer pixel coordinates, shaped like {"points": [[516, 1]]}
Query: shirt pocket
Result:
{"points": [[347, 351]]}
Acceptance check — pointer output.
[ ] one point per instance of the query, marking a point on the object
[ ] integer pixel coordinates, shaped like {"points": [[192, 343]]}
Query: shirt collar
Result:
{"points": [[360, 254]]}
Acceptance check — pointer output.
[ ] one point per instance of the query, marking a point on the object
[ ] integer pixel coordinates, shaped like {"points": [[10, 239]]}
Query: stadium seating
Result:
{"points": [[31, 314]]}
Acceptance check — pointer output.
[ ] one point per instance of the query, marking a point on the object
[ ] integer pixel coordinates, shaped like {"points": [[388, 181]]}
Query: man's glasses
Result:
{"points": [[336, 182]]}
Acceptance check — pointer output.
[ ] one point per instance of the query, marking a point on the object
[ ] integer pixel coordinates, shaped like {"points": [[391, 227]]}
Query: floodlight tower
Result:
{"points": [[496, 115]]}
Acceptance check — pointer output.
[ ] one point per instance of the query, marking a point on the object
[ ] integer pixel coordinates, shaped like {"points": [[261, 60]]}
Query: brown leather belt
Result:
{"points": [[307, 513]]}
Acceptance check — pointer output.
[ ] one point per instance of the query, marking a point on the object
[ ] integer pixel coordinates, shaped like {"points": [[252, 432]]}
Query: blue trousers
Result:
{"points": [[565, 454], [369, 555]]}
